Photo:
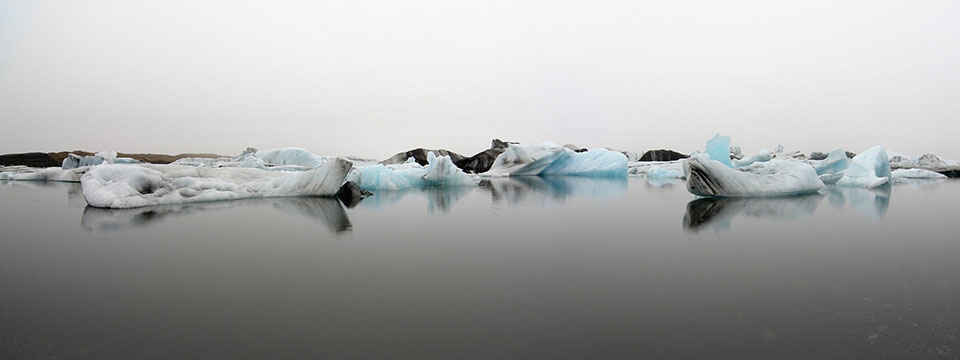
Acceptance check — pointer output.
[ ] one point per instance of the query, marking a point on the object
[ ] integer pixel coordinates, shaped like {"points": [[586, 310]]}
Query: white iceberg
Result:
{"points": [[440, 171], [594, 162], [554, 160], [835, 163], [42, 174], [718, 148], [523, 160], [706, 177], [868, 169], [657, 172], [289, 156], [73, 161], [901, 174], [763, 155], [130, 186]]}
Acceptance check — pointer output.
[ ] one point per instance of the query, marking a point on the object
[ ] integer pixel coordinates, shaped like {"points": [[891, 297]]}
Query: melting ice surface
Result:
{"points": [[850, 271]]}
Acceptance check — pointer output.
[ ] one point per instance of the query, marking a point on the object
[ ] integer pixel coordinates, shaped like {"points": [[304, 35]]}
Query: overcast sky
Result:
{"points": [[372, 78]]}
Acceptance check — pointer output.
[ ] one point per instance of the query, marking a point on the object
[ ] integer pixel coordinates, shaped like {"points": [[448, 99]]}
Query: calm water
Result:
{"points": [[523, 268]]}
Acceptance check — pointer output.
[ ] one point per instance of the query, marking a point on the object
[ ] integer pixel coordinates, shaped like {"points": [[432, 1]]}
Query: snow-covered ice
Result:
{"points": [[707, 177], [129, 186], [657, 172]]}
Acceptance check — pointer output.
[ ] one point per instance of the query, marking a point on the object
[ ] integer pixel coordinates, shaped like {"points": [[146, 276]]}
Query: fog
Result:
{"points": [[371, 78]]}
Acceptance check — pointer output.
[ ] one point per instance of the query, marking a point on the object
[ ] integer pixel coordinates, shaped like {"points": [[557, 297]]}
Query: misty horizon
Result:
{"points": [[371, 79]]}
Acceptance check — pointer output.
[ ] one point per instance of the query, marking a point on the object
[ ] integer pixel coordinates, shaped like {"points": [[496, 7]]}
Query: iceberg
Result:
{"points": [[930, 162], [657, 172], [73, 161], [834, 163], [43, 174], [521, 160], [289, 156], [763, 155], [868, 169], [130, 186], [594, 162], [718, 148], [706, 177], [440, 171], [550, 159], [902, 174]]}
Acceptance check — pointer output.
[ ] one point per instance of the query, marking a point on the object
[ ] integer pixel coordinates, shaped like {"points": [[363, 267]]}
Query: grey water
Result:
{"points": [[514, 268]]}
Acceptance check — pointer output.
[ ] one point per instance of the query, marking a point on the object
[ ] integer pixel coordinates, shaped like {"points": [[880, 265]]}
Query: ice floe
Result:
{"points": [[902, 174], [707, 177], [24, 173], [73, 161], [130, 186], [440, 171], [555, 160], [763, 155], [868, 169]]}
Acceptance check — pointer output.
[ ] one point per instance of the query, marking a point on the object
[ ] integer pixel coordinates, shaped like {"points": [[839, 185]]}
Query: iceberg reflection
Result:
{"points": [[717, 213], [871, 203], [439, 198], [542, 189], [324, 210]]}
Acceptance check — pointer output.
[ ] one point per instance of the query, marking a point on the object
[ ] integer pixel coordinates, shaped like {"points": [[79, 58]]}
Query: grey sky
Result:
{"points": [[372, 78]]}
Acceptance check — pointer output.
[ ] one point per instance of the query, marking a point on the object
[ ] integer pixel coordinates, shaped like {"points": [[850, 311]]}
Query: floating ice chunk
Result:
{"points": [[250, 161], [202, 161], [520, 160], [73, 161], [830, 179], [108, 157], [126, 160], [289, 156], [763, 155], [835, 163], [868, 169], [381, 177], [642, 168], [718, 148], [130, 186], [440, 171], [552, 159], [901, 174], [708, 177], [657, 172], [45, 174], [594, 162]]}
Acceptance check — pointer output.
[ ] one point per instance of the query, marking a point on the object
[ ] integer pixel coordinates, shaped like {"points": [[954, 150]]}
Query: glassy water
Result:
{"points": [[515, 268]]}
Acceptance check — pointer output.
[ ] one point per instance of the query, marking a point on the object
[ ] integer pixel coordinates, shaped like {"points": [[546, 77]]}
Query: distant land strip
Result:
{"points": [[54, 159]]}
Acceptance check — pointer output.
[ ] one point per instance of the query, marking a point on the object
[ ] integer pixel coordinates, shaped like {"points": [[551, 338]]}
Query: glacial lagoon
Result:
{"points": [[525, 267]]}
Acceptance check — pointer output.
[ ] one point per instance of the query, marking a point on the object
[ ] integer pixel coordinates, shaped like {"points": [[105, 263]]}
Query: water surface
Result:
{"points": [[530, 267]]}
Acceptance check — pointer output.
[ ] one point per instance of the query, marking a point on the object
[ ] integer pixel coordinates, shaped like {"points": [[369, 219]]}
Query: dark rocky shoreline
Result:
{"points": [[55, 159]]}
